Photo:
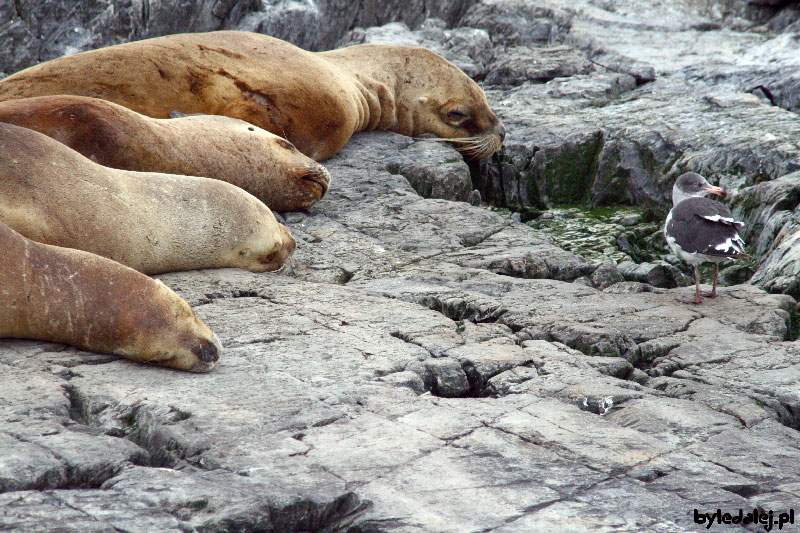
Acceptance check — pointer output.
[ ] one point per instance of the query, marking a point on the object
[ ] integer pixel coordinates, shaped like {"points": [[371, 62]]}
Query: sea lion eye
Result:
{"points": [[456, 115], [285, 144]]}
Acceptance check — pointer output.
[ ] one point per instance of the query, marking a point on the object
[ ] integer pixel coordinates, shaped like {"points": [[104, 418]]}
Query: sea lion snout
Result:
{"points": [[206, 351], [289, 245], [279, 256], [318, 176]]}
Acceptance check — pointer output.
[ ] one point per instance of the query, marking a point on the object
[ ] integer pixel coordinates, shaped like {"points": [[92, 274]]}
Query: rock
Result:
{"points": [[597, 234], [772, 213], [469, 49], [38, 31], [657, 274], [434, 171], [617, 159], [406, 378], [606, 275], [517, 251], [522, 64], [630, 220], [428, 364], [594, 87], [640, 72], [517, 22], [359, 394], [780, 271]]}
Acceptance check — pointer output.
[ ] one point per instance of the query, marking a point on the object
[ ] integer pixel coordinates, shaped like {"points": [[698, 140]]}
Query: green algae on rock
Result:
{"points": [[600, 235]]}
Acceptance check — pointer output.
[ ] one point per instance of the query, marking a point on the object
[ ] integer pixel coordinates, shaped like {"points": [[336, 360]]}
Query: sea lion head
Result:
{"points": [[448, 103], [287, 177], [304, 181], [267, 250], [164, 330]]}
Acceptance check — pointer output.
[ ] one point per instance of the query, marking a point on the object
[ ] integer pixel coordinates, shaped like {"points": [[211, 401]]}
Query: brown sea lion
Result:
{"points": [[148, 221], [265, 165], [72, 297], [315, 100]]}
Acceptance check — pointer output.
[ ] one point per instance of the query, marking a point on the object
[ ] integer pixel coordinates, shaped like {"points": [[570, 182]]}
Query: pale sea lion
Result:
{"points": [[72, 297], [148, 221], [263, 164], [315, 100]]}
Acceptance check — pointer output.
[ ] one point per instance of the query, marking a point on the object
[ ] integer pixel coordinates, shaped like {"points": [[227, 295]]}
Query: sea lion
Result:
{"points": [[148, 221], [265, 165], [315, 100], [72, 297]]}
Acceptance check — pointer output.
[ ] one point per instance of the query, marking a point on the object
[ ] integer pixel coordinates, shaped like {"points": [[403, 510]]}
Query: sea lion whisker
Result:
{"points": [[287, 266], [453, 140], [490, 147], [477, 146], [480, 147]]}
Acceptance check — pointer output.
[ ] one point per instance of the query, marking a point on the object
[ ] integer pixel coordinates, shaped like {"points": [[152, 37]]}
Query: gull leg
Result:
{"points": [[713, 293], [697, 299]]}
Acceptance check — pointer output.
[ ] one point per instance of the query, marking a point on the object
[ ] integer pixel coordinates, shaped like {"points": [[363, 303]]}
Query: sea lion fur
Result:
{"points": [[265, 165], [315, 100], [148, 221], [72, 297]]}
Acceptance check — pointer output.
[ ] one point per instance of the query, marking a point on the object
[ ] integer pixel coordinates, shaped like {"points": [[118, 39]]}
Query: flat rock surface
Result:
{"points": [[426, 364], [403, 375]]}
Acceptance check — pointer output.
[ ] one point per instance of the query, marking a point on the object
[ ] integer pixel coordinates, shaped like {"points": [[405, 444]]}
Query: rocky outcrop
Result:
{"points": [[773, 208], [429, 362], [33, 31]]}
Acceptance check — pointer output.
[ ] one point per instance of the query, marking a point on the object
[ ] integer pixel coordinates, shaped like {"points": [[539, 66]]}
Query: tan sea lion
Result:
{"points": [[263, 164], [148, 221], [72, 297], [315, 100]]}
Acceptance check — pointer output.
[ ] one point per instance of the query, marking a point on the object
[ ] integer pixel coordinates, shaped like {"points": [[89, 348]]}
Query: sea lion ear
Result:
{"points": [[176, 114], [422, 99]]}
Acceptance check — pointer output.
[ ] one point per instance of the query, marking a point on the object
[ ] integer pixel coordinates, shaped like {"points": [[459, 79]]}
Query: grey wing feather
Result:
{"points": [[700, 225]]}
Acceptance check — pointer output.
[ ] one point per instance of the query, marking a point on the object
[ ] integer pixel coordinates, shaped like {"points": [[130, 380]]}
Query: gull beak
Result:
{"points": [[715, 190]]}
